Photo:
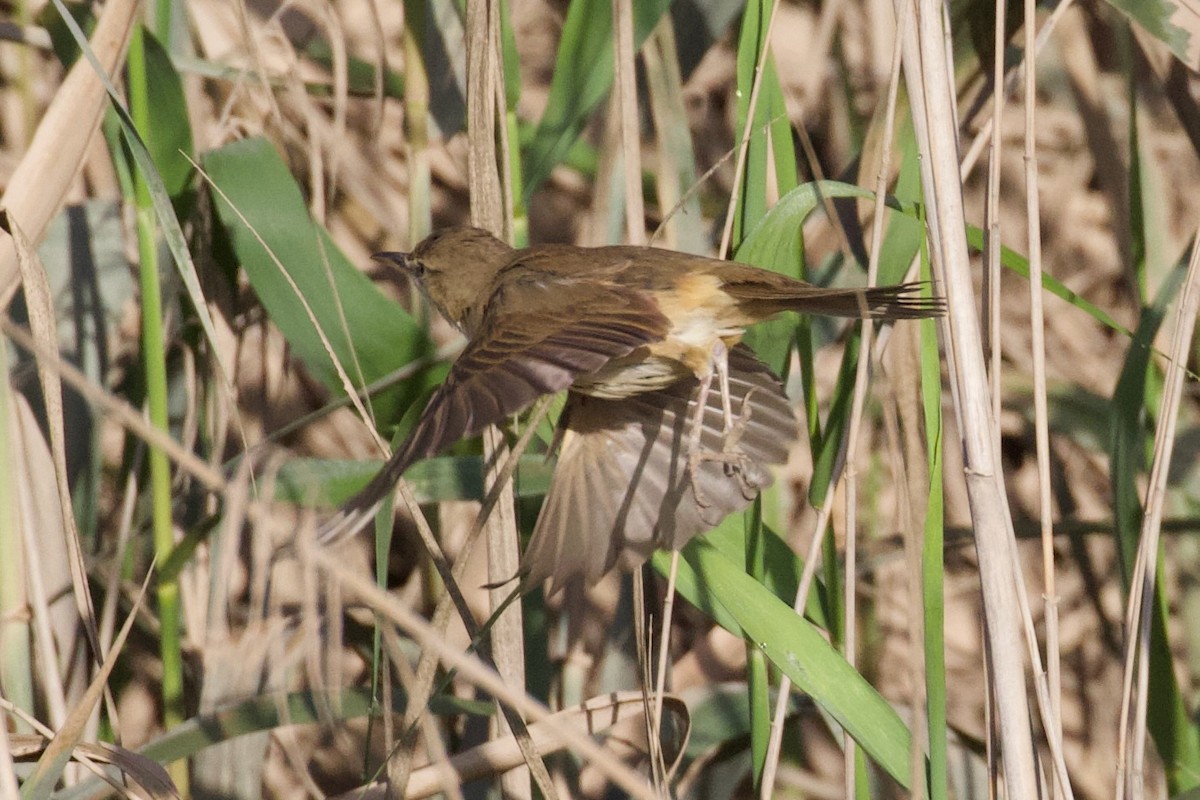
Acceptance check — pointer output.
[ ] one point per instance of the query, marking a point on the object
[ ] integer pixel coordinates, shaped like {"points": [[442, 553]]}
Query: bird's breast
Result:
{"points": [[701, 315]]}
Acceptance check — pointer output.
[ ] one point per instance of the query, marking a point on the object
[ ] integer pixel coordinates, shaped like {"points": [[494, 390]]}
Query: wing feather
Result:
{"points": [[536, 339], [622, 488]]}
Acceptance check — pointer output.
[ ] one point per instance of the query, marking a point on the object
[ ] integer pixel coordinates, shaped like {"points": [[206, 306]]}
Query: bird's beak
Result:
{"points": [[393, 259]]}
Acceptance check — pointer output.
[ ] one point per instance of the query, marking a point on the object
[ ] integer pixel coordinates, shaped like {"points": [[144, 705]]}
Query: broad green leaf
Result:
{"points": [[1175, 24], [314, 481], [294, 267], [799, 649], [781, 576]]}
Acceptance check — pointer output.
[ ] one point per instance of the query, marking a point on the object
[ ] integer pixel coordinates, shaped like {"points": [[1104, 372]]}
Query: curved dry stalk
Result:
{"points": [[472, 669]]}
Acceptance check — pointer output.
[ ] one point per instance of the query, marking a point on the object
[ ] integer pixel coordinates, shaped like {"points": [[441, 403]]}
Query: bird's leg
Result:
{"points": [[718, 367], [734, 460]]}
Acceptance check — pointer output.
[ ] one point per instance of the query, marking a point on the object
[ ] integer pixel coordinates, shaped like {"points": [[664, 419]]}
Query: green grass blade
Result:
{"points": [[583, 74], [770, 169], [154, 359], [168, 132], [933, 566]]}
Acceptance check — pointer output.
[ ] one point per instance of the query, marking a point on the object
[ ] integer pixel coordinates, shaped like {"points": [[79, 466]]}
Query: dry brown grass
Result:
{"points": [[254, 627]]}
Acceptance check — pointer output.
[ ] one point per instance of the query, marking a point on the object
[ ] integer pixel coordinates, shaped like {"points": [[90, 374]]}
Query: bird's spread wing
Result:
{"points": [[623, 484], [541, 339], [536, 338]]}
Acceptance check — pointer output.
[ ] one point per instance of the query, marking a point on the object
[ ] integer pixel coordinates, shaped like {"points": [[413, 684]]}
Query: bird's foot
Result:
{"points": [[735, 462]]}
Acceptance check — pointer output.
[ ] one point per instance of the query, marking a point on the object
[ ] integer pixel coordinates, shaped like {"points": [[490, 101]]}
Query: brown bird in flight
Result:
{"points": [[652, 453]]}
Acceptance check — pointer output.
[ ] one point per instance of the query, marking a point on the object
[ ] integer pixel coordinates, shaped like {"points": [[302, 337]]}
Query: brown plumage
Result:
{"points": [[636, 334]]}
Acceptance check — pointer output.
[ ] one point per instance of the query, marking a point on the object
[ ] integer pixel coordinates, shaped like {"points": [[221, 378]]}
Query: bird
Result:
{"points": [[670, 423]]}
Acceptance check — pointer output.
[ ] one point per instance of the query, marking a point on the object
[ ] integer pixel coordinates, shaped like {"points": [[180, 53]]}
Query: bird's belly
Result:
{"points": [[634, 374], [688, 351]]}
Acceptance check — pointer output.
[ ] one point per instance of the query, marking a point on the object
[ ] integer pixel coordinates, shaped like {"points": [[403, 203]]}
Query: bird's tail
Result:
{"points": [[902, 301]]}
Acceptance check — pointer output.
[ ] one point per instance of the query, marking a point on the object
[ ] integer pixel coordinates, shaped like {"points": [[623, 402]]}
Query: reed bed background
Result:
{"points": [[989, 525]]}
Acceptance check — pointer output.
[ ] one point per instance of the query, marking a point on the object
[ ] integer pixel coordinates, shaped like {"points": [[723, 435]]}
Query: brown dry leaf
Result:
{"points": [[147, 773], [59, 145], [58, 751]]}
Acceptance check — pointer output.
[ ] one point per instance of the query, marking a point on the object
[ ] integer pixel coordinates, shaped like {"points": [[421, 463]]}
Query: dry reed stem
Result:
{"points": [[484, 77], [629, 138], [625, 86], [1051, 715], [928, 74]]}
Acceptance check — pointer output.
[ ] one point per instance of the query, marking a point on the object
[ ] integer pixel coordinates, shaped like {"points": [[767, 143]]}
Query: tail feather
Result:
{"points": [[902, 301]]}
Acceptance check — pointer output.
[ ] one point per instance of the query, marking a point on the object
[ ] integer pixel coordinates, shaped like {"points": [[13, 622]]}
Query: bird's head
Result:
{"points": [[455, 268]]}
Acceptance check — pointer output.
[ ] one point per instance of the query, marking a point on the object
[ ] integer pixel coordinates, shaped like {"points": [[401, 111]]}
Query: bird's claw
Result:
{"points": [[736, 463]]}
